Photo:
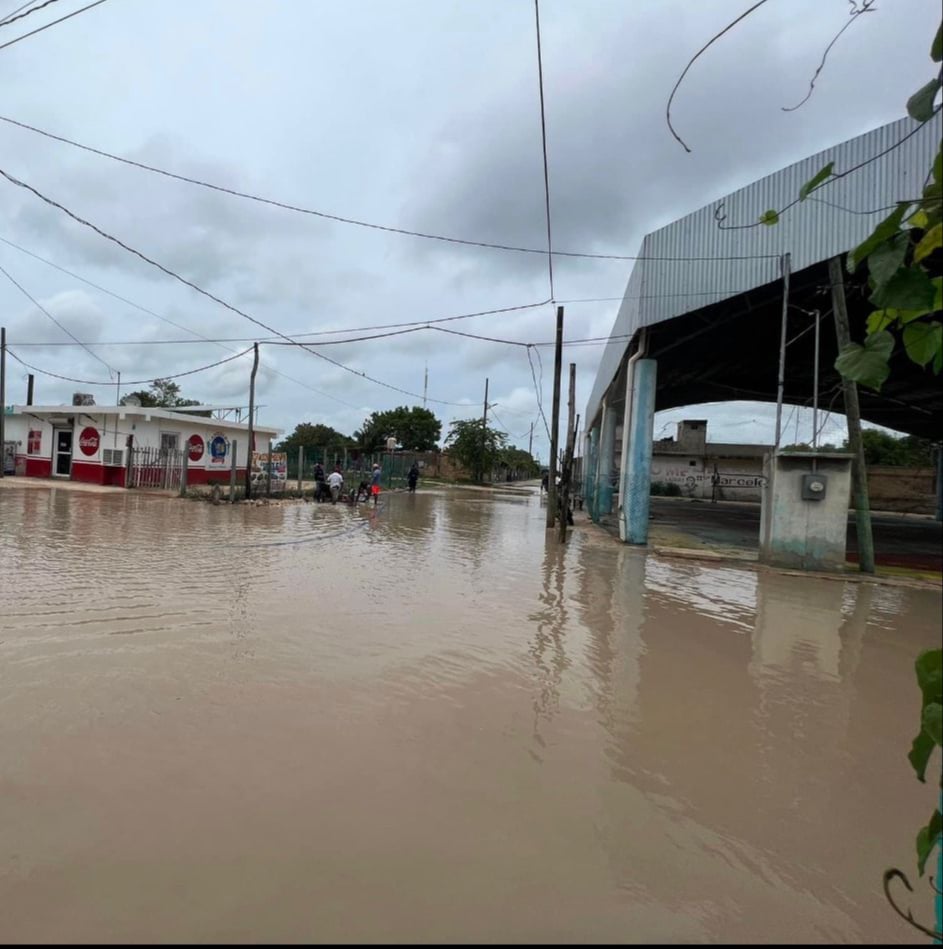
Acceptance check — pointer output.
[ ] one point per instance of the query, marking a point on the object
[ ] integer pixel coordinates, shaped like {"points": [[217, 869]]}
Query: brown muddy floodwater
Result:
{"points": [[314, 723]]}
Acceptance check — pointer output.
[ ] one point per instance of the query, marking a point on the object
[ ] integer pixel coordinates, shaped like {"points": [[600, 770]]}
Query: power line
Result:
{"points": [[53, 23], [46, 312], [206, 293], [357, 223], [543, 138], [12, 18], [133, 382], [22, 6]]}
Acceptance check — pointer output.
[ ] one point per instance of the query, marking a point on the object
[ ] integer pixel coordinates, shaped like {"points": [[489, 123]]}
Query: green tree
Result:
{"points": [[163, 393], [883, 448], [314, 435], [519, 461], [414, 428], [475, 446]]}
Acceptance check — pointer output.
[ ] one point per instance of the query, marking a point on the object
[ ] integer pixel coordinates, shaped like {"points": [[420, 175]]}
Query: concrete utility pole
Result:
{"points": [[530, 441], [425, 387], [484, 433], [859, 474], [255, 369], [568, 455], [555, 423], [3, 392], [781, 379]]}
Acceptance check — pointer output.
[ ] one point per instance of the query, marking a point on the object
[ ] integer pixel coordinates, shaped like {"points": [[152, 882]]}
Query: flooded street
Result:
{"points": [[427, 722]]}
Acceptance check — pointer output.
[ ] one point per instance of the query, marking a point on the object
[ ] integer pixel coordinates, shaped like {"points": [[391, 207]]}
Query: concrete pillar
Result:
{"points": [[636, 479], [605, 465]]}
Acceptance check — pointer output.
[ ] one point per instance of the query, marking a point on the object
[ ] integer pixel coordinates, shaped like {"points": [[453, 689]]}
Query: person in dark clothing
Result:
{"points": [[320, 486], [412, 477], [545, 481]]}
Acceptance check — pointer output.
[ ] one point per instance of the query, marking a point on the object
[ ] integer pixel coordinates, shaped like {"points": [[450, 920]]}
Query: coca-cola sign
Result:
{"points": [[88, 441], [195, 447]]}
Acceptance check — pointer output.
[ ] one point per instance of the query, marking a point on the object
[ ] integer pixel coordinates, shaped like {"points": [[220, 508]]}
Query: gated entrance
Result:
{"points": [[151, 467]]}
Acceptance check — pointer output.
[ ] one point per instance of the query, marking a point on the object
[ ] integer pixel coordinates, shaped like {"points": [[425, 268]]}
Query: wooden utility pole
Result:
{"points": [[859, 475], [555, 423], [530, 441], [568, 455], [255, 369], [484, 434]]}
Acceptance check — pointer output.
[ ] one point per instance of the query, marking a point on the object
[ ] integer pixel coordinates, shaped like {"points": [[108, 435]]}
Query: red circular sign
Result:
{"points": [[88, 441], [195, 447]]}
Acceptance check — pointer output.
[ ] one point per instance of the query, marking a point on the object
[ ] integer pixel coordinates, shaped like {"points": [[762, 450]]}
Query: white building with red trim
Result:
{"points": [[91, 442]]}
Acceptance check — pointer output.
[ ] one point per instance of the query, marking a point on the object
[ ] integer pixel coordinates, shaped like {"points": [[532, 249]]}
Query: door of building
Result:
{"points": [[62, 448]]}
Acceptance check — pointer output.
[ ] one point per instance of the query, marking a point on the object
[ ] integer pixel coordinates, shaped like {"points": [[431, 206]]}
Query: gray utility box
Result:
{"points": [[804, 517], [814, 486]]}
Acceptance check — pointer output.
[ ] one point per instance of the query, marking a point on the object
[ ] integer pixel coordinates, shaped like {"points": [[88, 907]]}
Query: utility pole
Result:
{"points": [[118, 390], [859, 474], [3, 393], [425, 386], [568, 455], [781, 379], [255, 369], [555, 423], [484, 433], [530, 441]]}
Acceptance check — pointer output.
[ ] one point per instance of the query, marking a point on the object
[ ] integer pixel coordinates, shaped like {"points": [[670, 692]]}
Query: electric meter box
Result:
{"points": [[814, 486]]}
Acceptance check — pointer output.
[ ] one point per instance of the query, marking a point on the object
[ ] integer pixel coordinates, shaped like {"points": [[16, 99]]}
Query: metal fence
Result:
{"points": [[151, 467]]}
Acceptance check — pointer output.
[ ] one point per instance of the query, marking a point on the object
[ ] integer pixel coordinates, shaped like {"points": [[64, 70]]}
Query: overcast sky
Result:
{"points": [[418, 114]]}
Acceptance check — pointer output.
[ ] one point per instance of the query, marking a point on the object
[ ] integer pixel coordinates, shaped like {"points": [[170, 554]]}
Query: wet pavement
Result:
{"points": [[428, 722]]}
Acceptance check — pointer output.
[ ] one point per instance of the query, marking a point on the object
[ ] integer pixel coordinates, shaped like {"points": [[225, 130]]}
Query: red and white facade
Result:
{"points": [[90, 442]]}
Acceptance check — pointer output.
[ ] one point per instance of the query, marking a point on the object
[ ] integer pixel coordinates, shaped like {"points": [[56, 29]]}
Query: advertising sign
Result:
{"points": [[260, 467], [219, 448], [195, 447], [88, 441]]}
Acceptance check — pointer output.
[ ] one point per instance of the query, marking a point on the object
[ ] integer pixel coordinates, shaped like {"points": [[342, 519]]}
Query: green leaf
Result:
{"points": [[770, 217], [908, 289], [927, 839], [919, 219], [937, 294], [923, 341], [938, 362], [815, 181], [885, 260], [938, 167], [884, 231], [867, 363], [936, 48], [929, 242], [880, 320], [933, 721], [919, 755], [920, 104], [929, 668]]}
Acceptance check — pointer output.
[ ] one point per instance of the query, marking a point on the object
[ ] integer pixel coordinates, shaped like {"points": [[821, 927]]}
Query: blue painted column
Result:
{"points": [[604, 466], [589, 475], [636, 484]]}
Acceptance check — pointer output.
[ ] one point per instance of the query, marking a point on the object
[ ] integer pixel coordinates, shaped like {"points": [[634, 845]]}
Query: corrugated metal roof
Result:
{"points": [[824, 225]]}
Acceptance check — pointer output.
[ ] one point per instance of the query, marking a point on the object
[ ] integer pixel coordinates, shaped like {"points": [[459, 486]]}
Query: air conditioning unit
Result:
{"points": [[113, 456]]}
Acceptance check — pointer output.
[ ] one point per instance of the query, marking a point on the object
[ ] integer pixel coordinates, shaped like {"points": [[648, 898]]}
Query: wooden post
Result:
{"points": [[555, 423], [184, 469], [301, 465], [128, 473], [255, 369], [568, 456], [859, 474], [233, 445], [268, 471]]}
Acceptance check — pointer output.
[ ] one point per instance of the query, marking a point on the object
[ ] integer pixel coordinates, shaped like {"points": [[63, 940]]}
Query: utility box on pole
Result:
{"points": [[804, 521]]}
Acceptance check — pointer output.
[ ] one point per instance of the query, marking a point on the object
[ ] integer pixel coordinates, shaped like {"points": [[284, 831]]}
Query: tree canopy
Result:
{"points": [[314, 435], [475, 446], [414, 428], [163, 393]]}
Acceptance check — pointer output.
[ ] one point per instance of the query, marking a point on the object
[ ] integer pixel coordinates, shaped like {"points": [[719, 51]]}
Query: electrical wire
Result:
{"points": [[543, 138], [124, 382], [46, 312], [12, 18], [22, 6], [357, 223], [53, 23], [208, 295]]}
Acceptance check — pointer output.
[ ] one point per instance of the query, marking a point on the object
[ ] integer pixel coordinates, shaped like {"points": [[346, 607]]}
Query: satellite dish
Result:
{"points": [[131, 399]]}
